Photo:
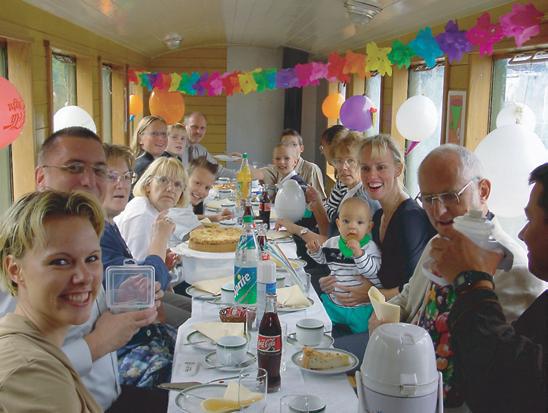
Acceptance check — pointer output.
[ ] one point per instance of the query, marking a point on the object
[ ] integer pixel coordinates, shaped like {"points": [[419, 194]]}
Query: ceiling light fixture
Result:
{"points": [[173, 40], [361, 11]]}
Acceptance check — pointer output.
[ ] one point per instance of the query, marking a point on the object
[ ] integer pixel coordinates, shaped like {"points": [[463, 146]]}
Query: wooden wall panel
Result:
{"points": [[478, 100], [400, 79], [119, 125], [211, 59], [23, 149]]}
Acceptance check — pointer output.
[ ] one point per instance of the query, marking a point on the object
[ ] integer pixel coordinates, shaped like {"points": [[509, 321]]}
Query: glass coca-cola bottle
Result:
{"points": [[261, 236], [269, 344], [264, 207]]}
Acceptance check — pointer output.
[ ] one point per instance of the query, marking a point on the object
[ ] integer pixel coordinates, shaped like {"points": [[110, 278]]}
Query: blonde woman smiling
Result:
{"points": [[51, 261]]}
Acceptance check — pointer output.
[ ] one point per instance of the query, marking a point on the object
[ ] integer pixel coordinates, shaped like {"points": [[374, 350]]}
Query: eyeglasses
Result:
{"points": [[78, 168], [115, 177], [164, 181], [350, 162], [446, 198]]}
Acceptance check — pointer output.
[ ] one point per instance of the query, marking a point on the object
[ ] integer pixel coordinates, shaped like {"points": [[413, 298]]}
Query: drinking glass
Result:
{"points": [[255, 380], [301, 403]]}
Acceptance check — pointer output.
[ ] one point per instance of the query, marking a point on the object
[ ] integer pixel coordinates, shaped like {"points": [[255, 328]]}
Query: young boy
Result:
{"points": [[177, 139], [284, 158], [353, 258]]}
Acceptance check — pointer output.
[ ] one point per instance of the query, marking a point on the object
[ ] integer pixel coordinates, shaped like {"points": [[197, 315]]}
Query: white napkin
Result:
{"points": [[215, 330], [384, 311], [292, 297], [212, 286]]}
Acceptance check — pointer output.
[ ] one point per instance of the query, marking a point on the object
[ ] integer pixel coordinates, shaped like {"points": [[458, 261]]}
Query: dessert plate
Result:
{"points": [[190, 400], [289, 309], [226, 157], [201, 295], [297, 358], [198, 340]]}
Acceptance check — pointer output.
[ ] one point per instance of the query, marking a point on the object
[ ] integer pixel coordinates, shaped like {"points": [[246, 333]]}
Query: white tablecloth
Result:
{"points": [[335, 390]]}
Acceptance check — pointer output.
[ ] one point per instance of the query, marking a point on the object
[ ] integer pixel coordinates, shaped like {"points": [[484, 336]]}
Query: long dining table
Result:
{"points": [[335, 390]]}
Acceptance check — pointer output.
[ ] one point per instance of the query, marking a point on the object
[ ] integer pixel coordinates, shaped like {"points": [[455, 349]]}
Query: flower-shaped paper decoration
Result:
{"points": [[247, 82], [401, 54], [453, 42], [355, 64], [522, 23], [215, 87], [187, 83], [231, 83], [335, 68], [377, 59], [175, 81], [425, 45], [485, 34]]}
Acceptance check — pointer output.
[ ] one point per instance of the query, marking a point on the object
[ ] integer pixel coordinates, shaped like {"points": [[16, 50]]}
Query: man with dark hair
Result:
{"points": [[501, 367]]}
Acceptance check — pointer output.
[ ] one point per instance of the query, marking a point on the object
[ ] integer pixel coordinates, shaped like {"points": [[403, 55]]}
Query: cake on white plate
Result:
{"points": [[323, 360], [215, 239]]}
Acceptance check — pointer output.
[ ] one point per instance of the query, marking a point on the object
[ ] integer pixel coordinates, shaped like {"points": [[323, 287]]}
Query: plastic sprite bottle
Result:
{"points": [[245, 265], [244, 178], [266, 284]]}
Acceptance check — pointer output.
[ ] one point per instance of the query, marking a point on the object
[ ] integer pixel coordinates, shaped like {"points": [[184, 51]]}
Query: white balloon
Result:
{"points": [[508, 155], [514, 113], [290, 202], [417, 118], [73, 116]]}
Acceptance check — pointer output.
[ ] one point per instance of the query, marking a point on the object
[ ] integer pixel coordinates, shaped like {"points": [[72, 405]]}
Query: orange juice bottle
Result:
{"points": [[244, 178]]}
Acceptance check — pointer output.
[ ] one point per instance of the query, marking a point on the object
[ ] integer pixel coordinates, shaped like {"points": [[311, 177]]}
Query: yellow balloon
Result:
{"points": [[331, 105]]}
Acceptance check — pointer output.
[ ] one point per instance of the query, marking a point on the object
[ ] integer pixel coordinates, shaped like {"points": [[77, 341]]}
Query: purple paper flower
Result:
{"points": [[453, 42]]}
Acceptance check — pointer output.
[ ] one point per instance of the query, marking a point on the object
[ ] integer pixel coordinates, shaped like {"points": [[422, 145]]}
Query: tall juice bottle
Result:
{"points": [[245, 265], [244, 178]]}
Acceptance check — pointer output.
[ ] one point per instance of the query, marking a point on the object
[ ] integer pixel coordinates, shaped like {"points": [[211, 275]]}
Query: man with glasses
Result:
{"points": [[73, 159], [451, 184], [196, 127]]}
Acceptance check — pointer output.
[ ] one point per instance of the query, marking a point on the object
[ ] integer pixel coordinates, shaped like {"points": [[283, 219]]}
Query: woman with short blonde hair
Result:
{"points": [[51, 260], [161, 190], [149, 142]]}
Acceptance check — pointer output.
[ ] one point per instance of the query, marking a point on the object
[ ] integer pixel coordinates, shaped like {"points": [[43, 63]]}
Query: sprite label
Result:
{"points": [[245, 285]]}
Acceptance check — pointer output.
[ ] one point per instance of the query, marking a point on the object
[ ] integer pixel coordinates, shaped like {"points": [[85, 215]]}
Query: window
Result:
{"points": [[522, 79], [63, 70], [373, 92], [6, 194], [106, 77], [429, 83]]}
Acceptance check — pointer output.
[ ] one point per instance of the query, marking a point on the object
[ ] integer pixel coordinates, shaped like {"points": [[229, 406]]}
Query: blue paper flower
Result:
{"points": [[425, 46]]}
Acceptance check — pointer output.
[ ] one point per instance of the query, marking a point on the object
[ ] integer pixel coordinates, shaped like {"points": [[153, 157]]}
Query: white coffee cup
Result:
{"points": [[231, 350], [309, 331], [227, 293]]}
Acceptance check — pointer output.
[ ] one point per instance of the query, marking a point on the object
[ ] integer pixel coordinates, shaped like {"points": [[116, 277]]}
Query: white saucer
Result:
{"points": [[210, 361], [327, 341], [307, 404]]}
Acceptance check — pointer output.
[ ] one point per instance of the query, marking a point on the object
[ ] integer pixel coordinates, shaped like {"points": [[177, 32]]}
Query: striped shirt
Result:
{"points": [[349, 271], [332, 204]]}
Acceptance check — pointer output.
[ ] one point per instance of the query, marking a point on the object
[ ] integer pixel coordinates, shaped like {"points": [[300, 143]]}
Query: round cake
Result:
{"points": [[215, 239]]}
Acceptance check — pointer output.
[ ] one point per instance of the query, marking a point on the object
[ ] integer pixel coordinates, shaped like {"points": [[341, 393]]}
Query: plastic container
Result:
{"points": [[129, 287], [266, 283], [245, 265]]}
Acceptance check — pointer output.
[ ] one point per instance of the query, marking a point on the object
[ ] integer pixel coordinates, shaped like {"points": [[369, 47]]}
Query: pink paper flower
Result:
{"points": [[485, 34], [522, 23]]}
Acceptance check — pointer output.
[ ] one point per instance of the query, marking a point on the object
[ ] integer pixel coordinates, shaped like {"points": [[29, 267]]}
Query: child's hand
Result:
{"points": [[313, 245], [354, 245]]}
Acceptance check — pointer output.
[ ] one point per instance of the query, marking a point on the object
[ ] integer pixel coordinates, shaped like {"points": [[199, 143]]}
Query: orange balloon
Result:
{"points": [[331, 105], [168, 105], [135, 105]]}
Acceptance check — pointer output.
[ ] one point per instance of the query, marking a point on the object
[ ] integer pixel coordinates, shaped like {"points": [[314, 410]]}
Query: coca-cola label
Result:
{"points": [[264, 206], [269, 344]]}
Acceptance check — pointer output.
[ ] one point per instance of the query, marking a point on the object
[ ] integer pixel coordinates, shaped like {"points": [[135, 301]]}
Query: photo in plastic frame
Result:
{"points": [[456, 117]]}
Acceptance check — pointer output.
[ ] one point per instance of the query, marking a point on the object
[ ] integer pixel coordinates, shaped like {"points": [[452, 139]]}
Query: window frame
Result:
{"points": [[6, 158], [59, 55]]}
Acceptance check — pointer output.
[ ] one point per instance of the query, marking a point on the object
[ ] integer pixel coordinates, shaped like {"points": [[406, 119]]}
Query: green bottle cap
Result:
{"points": [[248, 219], [244, 155]]}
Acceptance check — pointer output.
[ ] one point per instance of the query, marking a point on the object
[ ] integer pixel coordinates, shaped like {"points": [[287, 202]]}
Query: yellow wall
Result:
{"points": [[201, 60], [30, 26]]}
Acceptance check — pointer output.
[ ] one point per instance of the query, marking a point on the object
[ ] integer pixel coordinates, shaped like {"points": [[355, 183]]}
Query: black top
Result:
{"points": [[408, 232], [166, 154], [501, 368], [142, 163], [198, 209]]}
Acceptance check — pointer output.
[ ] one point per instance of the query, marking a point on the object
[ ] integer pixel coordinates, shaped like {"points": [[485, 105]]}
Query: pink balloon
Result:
{"points": [[12, 113], [356, 113]]}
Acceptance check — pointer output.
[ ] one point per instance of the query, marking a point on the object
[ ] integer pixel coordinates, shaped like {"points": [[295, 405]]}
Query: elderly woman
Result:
{"points": [[51, 261], [163, 186], [149, 142]]}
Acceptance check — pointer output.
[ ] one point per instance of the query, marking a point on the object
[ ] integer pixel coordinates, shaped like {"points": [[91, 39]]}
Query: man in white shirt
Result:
{"points": [[196, 127], [69, 160]]}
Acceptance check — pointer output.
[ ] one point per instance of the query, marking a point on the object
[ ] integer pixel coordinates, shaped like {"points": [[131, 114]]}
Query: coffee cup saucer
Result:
{"points": [[326, 341], [210, 361]]}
